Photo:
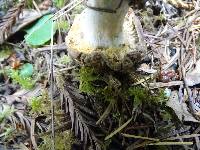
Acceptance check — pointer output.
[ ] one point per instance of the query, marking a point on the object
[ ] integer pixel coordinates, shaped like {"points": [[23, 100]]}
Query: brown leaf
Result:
{"points": [[192, 77], [180, 108]]}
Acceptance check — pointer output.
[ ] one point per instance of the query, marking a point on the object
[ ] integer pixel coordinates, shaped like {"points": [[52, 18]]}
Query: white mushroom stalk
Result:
{"points": [[99, 26]]}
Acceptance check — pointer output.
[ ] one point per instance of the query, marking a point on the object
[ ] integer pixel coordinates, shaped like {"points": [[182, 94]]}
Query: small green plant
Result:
{"points": [[63, 141], [24, 82], [40, 104], [60, 3], [62, 25], [64, 60], [7, 134], [36, 104], [5, 52], [5, 112]]}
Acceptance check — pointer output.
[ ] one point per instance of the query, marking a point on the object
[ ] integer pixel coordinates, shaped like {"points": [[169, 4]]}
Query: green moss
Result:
{"points": [[62, 24], [60, 3], [40, 104], [24, 82], [63, 141], [6, 112], [141, 95], [86, 77], [98, 83], [115, 54], [105, 85], [36, 104], [7, 134], [5, 52], [64, 60]]}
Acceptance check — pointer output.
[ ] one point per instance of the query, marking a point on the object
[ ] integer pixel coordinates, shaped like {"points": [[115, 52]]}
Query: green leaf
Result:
{"points": [[40, 32], [26, 70]]}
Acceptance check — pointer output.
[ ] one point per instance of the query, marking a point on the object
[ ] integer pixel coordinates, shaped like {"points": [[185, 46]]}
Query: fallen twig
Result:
{"points": [[48, 48], [168, 84], [32, 133]]}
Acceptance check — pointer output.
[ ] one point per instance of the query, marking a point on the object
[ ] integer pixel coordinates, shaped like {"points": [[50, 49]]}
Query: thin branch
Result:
{"points": [[51, 92], [32, 133]]}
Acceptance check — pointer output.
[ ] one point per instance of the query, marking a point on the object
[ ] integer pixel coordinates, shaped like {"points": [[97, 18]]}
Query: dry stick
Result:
{"points": [[139, 31], [189, 23], [192, 12], [51, 91], [184, 146], [182, 67], [168, 84], [65, 7], [180, 4], [72, 7], [183, 136], [48, 48], [176, 33], [183, 73], [187, 40], [37, 8], [32, 133], [194, 48]]}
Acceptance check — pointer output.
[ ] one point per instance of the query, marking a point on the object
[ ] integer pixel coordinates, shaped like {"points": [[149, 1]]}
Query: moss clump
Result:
{"points": [[24, 82], [144, 96], [63, 141], [115, 53], [111, 85], [86, 77], [5, 52], [36, 104]]}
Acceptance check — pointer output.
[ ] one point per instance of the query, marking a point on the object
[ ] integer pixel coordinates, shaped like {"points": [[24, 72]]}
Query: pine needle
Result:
{"points": [[119, 129]]}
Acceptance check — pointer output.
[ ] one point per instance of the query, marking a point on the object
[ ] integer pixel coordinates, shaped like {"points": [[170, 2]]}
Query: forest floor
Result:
{"points": [[49, 101]]}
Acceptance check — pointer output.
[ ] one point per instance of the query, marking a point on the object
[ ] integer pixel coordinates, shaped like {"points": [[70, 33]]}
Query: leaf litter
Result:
{"points": [[169, 31]]}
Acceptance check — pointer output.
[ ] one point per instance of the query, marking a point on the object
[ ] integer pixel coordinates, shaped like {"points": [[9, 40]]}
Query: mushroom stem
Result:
{"points": [[96, 27]]}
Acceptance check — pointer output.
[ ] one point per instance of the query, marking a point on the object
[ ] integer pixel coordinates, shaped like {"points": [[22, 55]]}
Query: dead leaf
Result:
{"points": [[180, 108], [193, 77]]}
